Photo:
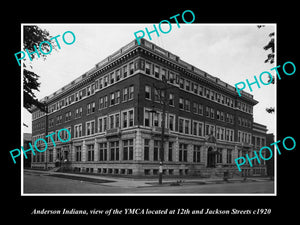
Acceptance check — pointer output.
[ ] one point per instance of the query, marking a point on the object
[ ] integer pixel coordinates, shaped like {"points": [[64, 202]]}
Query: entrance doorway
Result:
{"points": [[211, 158]]}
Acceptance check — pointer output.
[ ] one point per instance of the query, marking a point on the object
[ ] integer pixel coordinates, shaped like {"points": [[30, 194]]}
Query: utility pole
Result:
{"points": [[163, 99]]}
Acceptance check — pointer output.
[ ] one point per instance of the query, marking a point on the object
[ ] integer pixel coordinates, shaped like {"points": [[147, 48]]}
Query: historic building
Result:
{"points": [[115, 114]]}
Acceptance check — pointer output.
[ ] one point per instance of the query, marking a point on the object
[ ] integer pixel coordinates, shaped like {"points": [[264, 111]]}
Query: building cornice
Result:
{"points": [[152, 50]]}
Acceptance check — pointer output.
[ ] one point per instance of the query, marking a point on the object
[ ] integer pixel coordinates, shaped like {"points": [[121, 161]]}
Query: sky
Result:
{"points": [[231, 52]]}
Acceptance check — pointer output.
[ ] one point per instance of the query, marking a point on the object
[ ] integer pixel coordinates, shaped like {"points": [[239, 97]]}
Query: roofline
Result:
{"points": [[145, 44]]}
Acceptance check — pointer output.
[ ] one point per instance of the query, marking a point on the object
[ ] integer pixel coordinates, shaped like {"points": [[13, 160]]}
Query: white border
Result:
{"points": [[151, 194]]}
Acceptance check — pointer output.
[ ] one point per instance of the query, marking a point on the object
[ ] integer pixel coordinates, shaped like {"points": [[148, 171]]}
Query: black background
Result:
{"points": [[284, 14]]}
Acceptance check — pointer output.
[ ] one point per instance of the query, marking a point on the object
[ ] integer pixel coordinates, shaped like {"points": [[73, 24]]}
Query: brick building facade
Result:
{"points": [[114, 114]]}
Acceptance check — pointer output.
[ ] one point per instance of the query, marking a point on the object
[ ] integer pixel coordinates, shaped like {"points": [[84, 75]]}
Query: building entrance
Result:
{"points": [[211, 158]]}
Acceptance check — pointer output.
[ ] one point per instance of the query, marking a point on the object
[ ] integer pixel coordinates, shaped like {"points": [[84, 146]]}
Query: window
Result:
{"points": [[200, 109], [212, 95], [100, 83], [117, 97], [156, 95], [219, 155], [105, 101], [90, 127], [181, 105], [163, 74], [51, 122], [187, 105], [118, 75], [88, 90], [112, 98], [146, 149], [231, 135], [195, 108], [197, 153], [229, 155], [181, 83], [125, 94], [183, 152], [128, 149], [207, 93], [187, 85], [227, 132], [207, 111], [218, 97], [222, 99], [171, 122], [186, 126], [195, 88], [131, 68], [114, 151], [200, 129], [112, 78], [147, 118], [156, 150], [93, 87], [124, 119], [68, 116], [130, 118], [218, 132], [93, 107], [171, 99], [170, 151], [88, 109], [111, 121], [180, 125], [90, 153], [212, 113], [78, 153], [200, 90], [102, 124], [147, 66], [59, 119], [78, 130], [156, 71], [76, 96], [195, 126], [101, 103], [147, 92], [240, 121], [105, 81], [127, 119], [155, 119], [125, 71], [171, 77], [131, 92], [103, 151]]}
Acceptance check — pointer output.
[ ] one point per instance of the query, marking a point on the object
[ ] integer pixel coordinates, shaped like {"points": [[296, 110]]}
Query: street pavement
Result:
{"points": [[44, 182]]}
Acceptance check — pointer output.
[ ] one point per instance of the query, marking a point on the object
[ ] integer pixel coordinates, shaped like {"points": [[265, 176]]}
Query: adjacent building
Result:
{"points": [[114, 113]]}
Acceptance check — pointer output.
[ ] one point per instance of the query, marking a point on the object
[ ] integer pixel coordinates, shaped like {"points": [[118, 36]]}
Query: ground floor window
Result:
{"points": [[90, 152], [128, 149], [229, 155], [103, 151], [114, 150], [197, 153], [183, 152], [219, 155], [77, 153], [146, 149]]}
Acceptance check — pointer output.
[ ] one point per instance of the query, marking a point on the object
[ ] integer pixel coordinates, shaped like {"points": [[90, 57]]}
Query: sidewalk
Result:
{"points": [[140, 182]]}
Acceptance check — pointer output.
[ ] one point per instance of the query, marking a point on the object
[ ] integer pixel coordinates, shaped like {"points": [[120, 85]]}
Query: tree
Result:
{"points": [[270, 59], [271, 46], [33, 35]]}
